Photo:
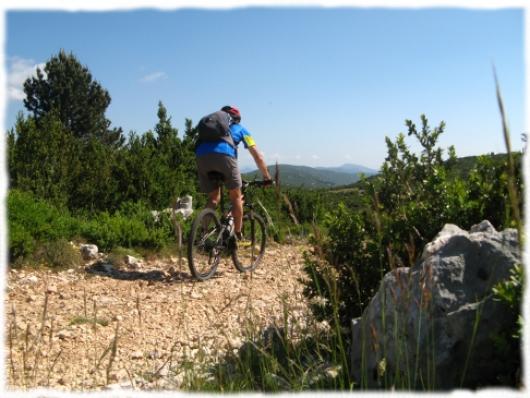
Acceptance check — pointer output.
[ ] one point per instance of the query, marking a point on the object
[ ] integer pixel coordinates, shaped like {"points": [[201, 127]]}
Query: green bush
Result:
{"points": [[402, 209], [488, 193], [507, 344], [132, 225], [21, 242], [37, 228], [32, 220]]}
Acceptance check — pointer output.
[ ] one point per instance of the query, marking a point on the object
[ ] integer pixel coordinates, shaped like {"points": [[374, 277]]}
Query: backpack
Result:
{"points": [[215, 127]]}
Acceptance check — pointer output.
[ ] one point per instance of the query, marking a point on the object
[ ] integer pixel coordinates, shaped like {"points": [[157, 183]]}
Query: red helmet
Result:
{"points": [[232, 111]]}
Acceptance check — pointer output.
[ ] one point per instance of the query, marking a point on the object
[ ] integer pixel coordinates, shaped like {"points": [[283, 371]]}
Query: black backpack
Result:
{"points": [[215, 127]]}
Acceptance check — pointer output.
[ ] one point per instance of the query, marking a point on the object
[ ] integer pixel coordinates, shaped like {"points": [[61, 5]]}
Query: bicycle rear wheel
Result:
{"points": [[248, 256], [205, 245]]}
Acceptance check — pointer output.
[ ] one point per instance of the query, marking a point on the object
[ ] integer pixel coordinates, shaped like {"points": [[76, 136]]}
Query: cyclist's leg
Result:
{"points": [[206, 164], [237, 208], [234, 183], [213, 198]]}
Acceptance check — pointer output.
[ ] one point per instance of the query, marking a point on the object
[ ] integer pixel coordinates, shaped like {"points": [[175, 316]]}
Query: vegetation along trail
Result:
{"points": [[147, 328]]}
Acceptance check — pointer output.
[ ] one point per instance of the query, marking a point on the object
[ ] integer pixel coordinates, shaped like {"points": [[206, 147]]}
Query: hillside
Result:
{"points": [[310, 177], [351, 168], [460, 168]]}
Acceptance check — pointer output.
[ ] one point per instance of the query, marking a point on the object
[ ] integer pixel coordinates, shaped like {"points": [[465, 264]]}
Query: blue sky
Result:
{"points": [[316, 86]]}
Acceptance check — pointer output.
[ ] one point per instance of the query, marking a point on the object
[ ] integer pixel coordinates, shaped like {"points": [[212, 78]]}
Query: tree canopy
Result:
{"points": [[67, 88]]}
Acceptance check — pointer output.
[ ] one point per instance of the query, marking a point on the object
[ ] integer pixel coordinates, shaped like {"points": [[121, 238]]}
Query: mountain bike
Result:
{"points": [[212, 236]]}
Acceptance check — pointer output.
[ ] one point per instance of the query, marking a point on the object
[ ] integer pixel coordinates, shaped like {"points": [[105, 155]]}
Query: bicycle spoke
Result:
{"points": [[247, 257]]}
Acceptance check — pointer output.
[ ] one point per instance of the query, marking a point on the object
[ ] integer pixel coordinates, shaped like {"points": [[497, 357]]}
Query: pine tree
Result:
{"points": [[65, 86], [42, 157]]}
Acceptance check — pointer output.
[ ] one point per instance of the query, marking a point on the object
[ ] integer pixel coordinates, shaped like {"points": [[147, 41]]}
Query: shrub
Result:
{"points": [[41, 230], [20, 241], [131, 226], [508, 343], [32, 220], [57, 254], [403, 209], [488, 193]]}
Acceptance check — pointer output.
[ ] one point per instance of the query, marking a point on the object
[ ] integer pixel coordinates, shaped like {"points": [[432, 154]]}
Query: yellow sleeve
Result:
{"points": [[249, 141]]}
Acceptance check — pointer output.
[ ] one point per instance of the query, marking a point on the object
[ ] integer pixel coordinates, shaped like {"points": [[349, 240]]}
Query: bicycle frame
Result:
{"points": [[249, 205], [223, 237]]}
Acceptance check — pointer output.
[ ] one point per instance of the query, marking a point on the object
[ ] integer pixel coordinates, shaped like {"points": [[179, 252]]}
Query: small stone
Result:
{"points": [[137, 355], [64, 334], [51, 289], [132, 262], [89, 252], [21, 325], [196, 295], [30, 280], [235, 342], [31, 298]]}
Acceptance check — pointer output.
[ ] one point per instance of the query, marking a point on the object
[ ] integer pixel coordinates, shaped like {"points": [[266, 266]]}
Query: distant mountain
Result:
{"points": [[309, 177], [246, 169], [351, 168]]}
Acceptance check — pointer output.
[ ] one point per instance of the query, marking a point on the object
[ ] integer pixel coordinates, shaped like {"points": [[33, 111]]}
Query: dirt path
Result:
{"points": [[150, 323]]}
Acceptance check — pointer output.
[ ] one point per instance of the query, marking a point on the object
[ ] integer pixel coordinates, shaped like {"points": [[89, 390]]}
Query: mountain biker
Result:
{"points": [[221, 157]]}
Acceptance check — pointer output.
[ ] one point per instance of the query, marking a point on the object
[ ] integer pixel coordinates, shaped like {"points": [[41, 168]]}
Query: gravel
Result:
{"points": [[82, 330]]}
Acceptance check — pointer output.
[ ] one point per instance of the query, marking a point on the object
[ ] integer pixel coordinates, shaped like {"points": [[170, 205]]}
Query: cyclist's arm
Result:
{"points": [[260, 162]]}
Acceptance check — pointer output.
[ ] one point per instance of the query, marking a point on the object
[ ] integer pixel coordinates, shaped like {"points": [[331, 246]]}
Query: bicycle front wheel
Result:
{"points": [[249, 252], [205, 245]]}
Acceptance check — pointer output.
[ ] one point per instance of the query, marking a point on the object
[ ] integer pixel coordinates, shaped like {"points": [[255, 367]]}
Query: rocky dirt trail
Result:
{"points": [[92, 328]]}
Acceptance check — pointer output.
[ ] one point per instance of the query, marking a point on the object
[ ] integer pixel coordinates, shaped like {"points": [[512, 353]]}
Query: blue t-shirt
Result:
{"points": [[239, 134]]}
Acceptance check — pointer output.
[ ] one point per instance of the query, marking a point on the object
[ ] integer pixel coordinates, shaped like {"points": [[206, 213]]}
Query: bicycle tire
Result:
{"points": [[204, 251], [254, 229]]}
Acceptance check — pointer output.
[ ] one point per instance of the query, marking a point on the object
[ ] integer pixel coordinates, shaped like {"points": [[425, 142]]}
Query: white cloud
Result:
{"points": [[315, 157], [152, 77], [18, 70]]}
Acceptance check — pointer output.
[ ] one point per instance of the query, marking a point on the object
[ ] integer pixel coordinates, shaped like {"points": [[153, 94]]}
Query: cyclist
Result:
{"points": [[220, 156]]}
